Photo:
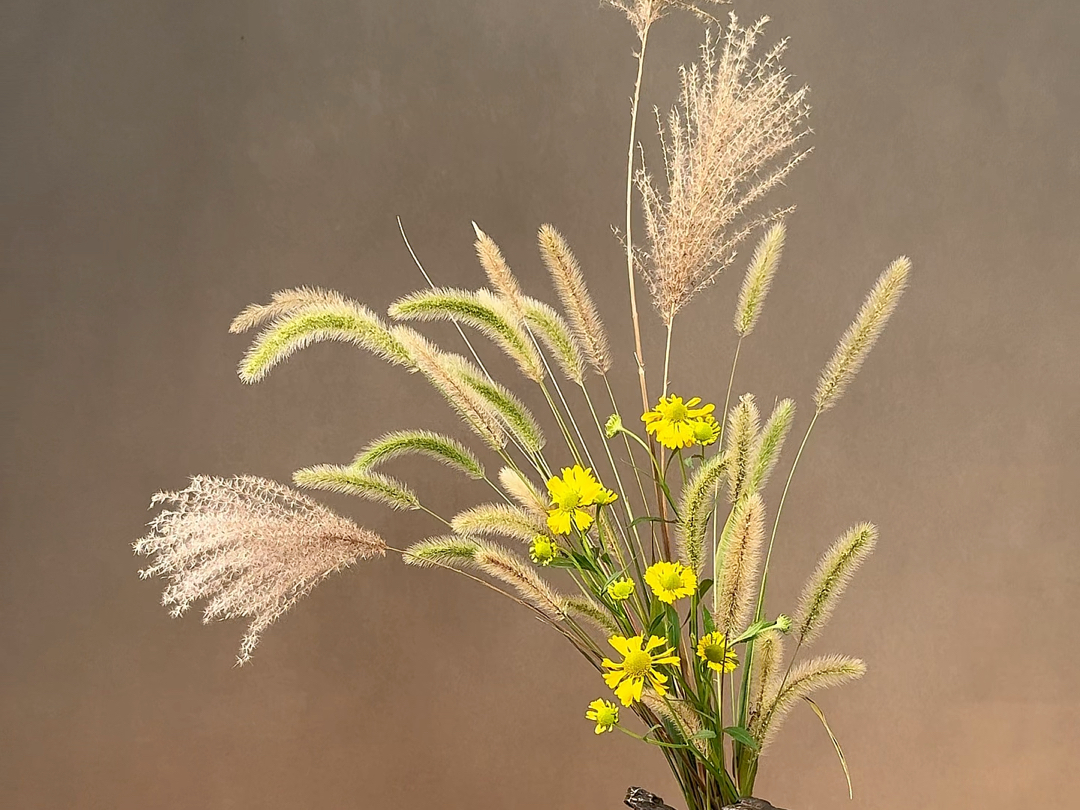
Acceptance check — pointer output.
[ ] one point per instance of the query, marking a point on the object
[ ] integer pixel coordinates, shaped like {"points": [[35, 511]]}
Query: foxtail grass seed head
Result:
{"points": [[371, 486], [769, 443], [805, 678], [527, 495], [575, 297], [743, 422], [284, 302], [248, 546], [511, 569], [449, 451], [734, 136], [737, 577], [483, 311], [444, 372], [759, 276], [863, 333], [696, 508], [554, 332], [766, 672], [497, 400], [499, 274], [830, 579], [332, 319], [448, 550], [499, 519], [582, 607]]}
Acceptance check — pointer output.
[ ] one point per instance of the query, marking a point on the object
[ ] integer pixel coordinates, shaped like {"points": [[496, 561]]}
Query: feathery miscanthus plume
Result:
{"points": [[524, 491], [695, 509], [864, 331], [482, 310], [449, 550], [329, 316], [582, 607], [513, 570], [499, 401], [498, 271], [734, 589], [743, 422], [832, 575], [554, 332], [250, 547], [371, 486], [765, 672], [804, 679], [449, 451], [769, 442], [758, 280], [433, 363], [643, 13], [499, 518], [574, 294], [731, 139]]}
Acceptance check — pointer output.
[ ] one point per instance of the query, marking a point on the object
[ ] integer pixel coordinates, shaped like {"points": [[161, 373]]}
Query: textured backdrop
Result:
{"points": [[162, 164]]}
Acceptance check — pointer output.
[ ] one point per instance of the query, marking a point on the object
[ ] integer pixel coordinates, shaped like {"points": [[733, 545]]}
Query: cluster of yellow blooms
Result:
{"points": [[675, 424]]}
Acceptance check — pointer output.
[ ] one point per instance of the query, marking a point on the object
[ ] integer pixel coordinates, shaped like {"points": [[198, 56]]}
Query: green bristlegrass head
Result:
{"points": [[362, 483], [742, 436], [449, 451], [554, 332], [485, 312], [860, 337], [769, 443], [759, 276], [447, 550], [336, 319], [830, 579], [499, 519]]}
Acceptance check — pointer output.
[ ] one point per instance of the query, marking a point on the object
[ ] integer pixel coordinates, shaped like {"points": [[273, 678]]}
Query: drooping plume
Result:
{"points": [[248, 546], [733, 137]]}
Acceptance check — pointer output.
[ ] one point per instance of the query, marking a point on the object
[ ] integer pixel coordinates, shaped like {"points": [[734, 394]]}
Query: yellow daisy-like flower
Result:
{"points": [[670, 581], [639, 664], [543, 550], [673, 421], [576, 489], [621, 589], [713, 649], [706, 431], [604, 713]]}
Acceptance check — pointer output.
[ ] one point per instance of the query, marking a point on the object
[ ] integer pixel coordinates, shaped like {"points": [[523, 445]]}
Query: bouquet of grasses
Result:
{"points": [[655, 515]]}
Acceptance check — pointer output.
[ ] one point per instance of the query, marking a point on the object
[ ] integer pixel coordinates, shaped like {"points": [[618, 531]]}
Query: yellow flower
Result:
{"points": [[673, 420], [706, 431], [543, 550], [638, 665], [670, 581], [713, 649], [576, 489], [621, 589], [605, 713]]}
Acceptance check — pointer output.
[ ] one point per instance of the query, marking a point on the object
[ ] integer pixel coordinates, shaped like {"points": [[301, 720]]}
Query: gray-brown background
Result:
{"points": [[164, 163]]}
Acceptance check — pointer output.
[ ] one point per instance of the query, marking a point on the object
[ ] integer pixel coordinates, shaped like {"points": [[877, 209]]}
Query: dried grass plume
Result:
{"points": [[248, 546]]}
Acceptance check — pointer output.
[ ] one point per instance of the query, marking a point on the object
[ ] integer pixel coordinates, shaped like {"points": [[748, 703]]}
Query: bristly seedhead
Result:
{"points": [[826, 585], [864, 331], [759, 276], [735, 585], [527, 494], [499, 519], [733, 137], [498, 271], [366, 484], [576, 300], [250, 547]]}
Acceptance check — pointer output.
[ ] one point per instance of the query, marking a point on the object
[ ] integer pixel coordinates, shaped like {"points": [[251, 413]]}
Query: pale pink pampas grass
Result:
{"points": [[248, 546]]}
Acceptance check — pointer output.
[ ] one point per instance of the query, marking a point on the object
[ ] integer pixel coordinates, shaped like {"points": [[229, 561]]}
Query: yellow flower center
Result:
{"points": [[671, 581], [675, 412], [569, 500], [637, 663], [715, 653]]}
